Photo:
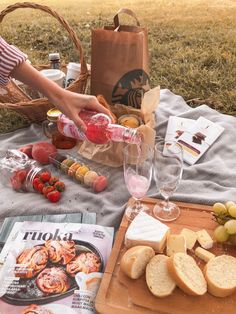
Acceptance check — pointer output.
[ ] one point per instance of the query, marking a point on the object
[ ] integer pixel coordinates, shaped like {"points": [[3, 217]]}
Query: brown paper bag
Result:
{"points": [[111, 154], [119, 62]]}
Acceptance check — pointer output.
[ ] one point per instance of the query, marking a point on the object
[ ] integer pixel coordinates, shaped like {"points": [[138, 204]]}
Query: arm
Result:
{"points": [[68, 102], [12, 63]]}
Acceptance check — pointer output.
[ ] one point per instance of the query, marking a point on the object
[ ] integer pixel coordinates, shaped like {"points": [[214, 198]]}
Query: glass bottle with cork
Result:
{"points": [[54, 59], [50, 129]]}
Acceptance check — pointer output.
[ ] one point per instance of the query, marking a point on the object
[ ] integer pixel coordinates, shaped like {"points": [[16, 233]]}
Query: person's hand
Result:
{"points": [[72, 103]]}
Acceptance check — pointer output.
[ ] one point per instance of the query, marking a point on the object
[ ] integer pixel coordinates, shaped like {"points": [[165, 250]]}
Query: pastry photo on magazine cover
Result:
{"points": [[53, 268]]}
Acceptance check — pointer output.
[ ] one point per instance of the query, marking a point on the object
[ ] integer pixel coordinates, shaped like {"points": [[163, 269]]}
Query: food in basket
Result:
{"points": [[185, 272], [42, 151], [36, 309], [89, 177], [99, 184], [158, 279], [60, 251], [33, 260], [85, 262], [133, 263], [220, 274], [80, 173], [53, 280], [130, 121], [65, 164], [73, 168]]}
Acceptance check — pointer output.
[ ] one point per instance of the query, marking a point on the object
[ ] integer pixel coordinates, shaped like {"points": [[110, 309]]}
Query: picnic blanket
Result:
{"points": [[211, 179]]}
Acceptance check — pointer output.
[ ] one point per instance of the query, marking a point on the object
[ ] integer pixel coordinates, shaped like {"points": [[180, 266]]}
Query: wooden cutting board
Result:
{"points": [[120, 295]]}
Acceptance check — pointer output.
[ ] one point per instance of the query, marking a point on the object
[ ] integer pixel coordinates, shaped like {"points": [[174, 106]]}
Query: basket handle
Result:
{"points": [[61, 20]]}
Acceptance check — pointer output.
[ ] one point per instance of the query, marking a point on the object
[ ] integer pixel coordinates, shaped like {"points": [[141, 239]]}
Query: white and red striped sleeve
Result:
{"points": [[10, 57]]}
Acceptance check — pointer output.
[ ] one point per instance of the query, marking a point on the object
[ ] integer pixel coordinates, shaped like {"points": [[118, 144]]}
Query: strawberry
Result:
{"points": [[48, 189], [54, 196], [59, 186], [40, 187], [45, 176], [15, 183], [21, 175], [53, 180], [36, 182]]}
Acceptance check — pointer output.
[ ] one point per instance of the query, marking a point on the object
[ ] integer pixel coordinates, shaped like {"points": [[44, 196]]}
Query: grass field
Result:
{"points": [[192, 43]]}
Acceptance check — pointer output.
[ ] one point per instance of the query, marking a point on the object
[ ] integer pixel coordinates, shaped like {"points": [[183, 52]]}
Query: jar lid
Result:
{"points": [[53, 114], [54, 56]]}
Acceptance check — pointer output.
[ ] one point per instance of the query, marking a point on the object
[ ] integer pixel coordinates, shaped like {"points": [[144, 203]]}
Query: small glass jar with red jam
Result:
{"points": [[50, 129]]}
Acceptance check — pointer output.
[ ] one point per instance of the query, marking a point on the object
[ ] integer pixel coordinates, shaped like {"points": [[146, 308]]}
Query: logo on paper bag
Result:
{"points": [[130, 88]]}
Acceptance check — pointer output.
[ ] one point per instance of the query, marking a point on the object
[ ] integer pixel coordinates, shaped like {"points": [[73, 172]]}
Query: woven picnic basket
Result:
{"points": [[17, 109]]}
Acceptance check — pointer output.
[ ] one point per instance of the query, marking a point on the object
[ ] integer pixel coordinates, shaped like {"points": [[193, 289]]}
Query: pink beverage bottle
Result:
{"points": [[100, 130]]}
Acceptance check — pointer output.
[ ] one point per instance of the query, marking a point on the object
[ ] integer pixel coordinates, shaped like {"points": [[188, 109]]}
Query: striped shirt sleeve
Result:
{"points": [[10, 57]]}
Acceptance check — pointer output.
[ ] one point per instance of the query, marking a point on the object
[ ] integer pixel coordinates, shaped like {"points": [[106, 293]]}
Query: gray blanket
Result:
{"points": [[212, 179]]}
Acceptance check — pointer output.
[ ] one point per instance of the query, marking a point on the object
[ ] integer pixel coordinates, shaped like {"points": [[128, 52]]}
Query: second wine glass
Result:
{"points": [[168, 167], [138, 164]]}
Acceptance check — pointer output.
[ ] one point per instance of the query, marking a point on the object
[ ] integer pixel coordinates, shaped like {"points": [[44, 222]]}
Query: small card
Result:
{"points": [[198, 139], [177, 126]]}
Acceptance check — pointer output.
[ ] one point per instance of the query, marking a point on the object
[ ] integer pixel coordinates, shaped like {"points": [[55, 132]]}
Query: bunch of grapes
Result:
{"points": [[225, 215]]}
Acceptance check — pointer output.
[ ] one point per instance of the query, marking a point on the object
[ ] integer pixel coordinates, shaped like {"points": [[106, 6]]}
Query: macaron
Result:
{"points": [[80, 173], [65, 165], [99, 184], [73, 168], [89, 177]]}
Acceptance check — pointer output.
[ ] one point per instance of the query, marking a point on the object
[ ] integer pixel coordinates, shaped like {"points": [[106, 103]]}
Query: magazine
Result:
{"points": [[53, 268]]}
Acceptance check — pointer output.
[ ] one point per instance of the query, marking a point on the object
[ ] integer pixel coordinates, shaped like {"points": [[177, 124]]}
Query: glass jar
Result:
{"points": [[51, 131], [18, 172], [54, 59]]}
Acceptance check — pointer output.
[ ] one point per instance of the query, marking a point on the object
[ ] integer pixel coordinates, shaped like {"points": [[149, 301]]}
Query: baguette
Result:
{"points": [[185, 272], [135, 259], [220, 274], [158, 279]]}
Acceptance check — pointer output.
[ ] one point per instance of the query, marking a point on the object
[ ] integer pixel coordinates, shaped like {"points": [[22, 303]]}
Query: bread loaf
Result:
{"points": [[158, 279], [186, 273], [134, 261], [220, 274]]}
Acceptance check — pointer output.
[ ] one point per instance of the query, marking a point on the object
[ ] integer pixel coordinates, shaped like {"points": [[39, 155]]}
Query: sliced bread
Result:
{"points": [[158, 279], [220, 274], [186, 273], [135, 259]]}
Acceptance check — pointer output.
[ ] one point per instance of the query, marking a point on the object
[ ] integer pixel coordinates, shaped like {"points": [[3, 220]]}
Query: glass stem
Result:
{"points": [[167, 206]]}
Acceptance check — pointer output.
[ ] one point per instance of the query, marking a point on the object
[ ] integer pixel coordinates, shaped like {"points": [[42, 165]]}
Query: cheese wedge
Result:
{"points": [[146, 230], [204, 254], [190, 237], [204, 239], [175, 243]]}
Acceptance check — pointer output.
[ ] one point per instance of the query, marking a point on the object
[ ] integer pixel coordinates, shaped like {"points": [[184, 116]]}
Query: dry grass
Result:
{"points": [[192, 44]]}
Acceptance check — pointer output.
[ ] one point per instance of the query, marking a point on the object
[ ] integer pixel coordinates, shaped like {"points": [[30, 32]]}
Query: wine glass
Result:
{"points": [[138, 162], [168, 168]]}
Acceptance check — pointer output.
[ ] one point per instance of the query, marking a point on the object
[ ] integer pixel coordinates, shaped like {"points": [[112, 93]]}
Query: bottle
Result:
{"points": [[51, 131], [18, 172], [54, 59], [100, 130]]}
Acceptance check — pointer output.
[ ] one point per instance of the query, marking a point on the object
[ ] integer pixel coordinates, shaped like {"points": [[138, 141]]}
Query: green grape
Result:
{"points": [[232, 239], [219, 208], [220, 234], [232, 211], [228, 204], [230, 226]]}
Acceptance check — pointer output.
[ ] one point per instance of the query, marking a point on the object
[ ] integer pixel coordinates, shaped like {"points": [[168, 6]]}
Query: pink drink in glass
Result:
{"points": [[137, 184]]}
